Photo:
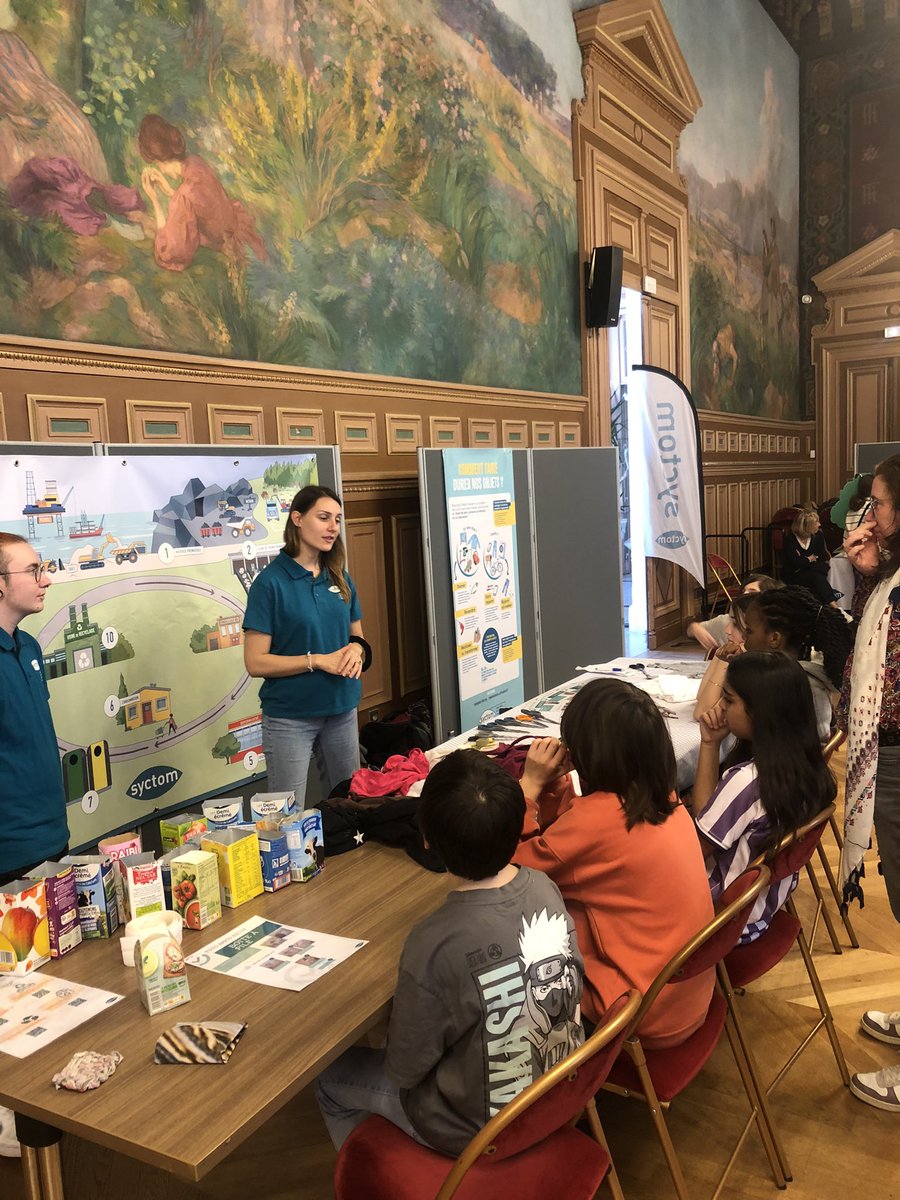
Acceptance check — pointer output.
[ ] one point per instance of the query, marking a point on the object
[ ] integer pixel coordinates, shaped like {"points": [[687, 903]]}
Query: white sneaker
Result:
{"points": [[9, 1145], [881, 1025], [881, 1089]]}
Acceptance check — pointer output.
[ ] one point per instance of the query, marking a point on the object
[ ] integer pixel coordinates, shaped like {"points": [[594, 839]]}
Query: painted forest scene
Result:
{"points": [[373, 186]]}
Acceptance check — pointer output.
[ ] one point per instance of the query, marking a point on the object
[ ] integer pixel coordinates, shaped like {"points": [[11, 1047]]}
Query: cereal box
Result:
{"points": [[237, 854], [62, 906], [306, 844], [96, 887], [224, 811], [195, 888], [271, 804], [174, 831], [24, 928], [161, 976]]}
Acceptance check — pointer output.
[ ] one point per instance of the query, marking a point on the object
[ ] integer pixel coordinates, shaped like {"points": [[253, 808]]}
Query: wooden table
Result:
{"points": [[186, 1119]]}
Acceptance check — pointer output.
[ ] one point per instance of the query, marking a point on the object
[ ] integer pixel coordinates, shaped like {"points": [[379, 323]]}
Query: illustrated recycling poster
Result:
{"points": [[481, 520], [150, 559]]}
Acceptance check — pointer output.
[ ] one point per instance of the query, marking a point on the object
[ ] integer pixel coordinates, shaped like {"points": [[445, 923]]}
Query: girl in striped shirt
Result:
{"points": [[774, 780]]}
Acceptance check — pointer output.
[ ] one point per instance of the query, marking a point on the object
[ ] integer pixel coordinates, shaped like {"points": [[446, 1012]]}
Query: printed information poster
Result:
{"points": [[481, 519], [38, 1009]]}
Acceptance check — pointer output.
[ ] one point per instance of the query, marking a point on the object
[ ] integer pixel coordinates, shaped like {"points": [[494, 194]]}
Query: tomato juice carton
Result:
{"points": [[195, 888], [165, 865], [175, 831], [24, 928], [237, 855], [161, 976], [142, 885], [271, 804], [95, 884], [274, 858], [306, 844], [62, 905], [223, 812]]}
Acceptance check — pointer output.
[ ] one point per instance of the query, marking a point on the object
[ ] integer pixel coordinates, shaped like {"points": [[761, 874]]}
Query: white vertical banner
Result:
{"points": [[665, 419]]}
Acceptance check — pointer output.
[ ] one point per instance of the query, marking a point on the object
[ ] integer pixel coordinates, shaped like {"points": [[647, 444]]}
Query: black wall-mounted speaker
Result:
{"points": [[603, 287]]}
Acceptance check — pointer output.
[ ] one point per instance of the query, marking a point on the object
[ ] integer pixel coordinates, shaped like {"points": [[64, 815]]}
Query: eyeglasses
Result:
{"points": [[37, 571], [875, 504]]}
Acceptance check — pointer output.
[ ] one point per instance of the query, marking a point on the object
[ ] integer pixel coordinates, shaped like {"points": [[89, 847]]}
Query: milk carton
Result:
{"points": [[142, 885], [271, 804], [174, 831], [222, 813], [161, 976], [195, 888], [237, 855], [24, 929], [274, 858], [306, 844], [62, 906], [96, 887]]}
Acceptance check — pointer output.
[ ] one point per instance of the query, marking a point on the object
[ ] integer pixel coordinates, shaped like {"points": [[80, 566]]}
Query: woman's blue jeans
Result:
{"points": [[289, 744]]}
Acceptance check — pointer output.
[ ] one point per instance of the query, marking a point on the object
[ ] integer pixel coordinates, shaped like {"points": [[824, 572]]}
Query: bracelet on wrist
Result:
{"points": [[309, 665]]}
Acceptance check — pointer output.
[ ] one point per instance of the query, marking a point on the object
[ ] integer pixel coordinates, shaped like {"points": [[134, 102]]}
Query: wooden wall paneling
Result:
{"points": [[411, 650], [159, 421], [236, 425], [300, 427], [365, 554], [445, 431], [67, 418], [569, 433], [865, 392], [482, 432], [661, 251], [404, 433], [2, 420], [543, 433], [514, 433]]}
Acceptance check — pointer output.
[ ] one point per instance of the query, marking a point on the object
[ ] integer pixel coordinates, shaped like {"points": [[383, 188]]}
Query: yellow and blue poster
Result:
{"points": [[481, 520]]}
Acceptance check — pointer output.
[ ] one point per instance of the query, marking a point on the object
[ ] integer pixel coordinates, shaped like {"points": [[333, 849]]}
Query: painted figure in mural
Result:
{"points": [[723, 352], [197, 210]]}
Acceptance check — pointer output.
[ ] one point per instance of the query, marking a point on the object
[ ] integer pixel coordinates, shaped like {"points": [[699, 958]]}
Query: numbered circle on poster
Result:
{"points": [[110, 637], [166, 554], [90, 802], [251, 761], [249, 551], [111, 706]]}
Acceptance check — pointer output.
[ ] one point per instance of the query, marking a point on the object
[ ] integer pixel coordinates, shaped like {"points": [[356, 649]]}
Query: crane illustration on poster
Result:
{"points": [[481, 518], [151, 559]]}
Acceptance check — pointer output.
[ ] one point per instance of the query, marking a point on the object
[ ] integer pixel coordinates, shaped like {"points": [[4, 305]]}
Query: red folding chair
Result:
{"points": [[530, 1149]]}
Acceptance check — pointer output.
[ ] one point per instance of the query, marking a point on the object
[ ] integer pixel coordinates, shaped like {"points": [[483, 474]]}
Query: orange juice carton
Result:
{"points": [[175, 831], [195, 888], [237, 854], [224, 811], [24, 928], [62, 906], [142, 885], [271, 804], [95, 884], [306, 844], [274, 858], [161, 976]]}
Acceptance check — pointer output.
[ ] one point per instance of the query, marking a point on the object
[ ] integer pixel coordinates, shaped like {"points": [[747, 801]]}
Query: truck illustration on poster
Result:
{"points": [[151, 558]]}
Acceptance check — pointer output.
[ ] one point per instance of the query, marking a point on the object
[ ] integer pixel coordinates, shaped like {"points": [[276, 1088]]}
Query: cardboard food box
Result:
{"points": [[165, 865], [274, 858], [24, 928], [142, 885], [95, 884], [195, 888], [225, 811], [62, 905], [237, 858], [306, 844], [161, 975], [271, 804], [175, 831]]}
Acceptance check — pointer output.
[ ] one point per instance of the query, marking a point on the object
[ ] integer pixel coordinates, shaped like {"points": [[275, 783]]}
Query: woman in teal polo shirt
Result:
{"points": [[303, 636]]}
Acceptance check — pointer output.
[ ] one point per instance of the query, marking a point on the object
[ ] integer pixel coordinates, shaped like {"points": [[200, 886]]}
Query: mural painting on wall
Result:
{"points": [[373, 187], [740, 159]]}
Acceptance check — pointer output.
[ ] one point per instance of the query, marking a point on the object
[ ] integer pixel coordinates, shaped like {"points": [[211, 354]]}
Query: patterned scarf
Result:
{"points": [[866, 687]]}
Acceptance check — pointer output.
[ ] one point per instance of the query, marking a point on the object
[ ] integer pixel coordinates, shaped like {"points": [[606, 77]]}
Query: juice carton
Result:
{"points": [[237, 854], [271, 804], [165, 865], [95, 884], [227, 810], [161, 976], [121, 844], [142, 885], [195, 888], [274, 858], [24, 929], [174, 831], [306, 844], [62, 906]]}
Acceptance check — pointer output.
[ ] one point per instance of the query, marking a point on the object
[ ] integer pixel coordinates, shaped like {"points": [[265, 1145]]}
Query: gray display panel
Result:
{"points": [[870, 454]]}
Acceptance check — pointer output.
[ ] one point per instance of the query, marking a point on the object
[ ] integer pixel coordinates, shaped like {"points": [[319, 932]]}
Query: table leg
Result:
{"points": [[51, 1172], [31, 1169], [41, 1161]]}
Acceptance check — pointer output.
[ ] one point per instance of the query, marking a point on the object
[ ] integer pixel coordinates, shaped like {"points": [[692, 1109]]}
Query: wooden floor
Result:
{"points": [[838, 1147]]}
